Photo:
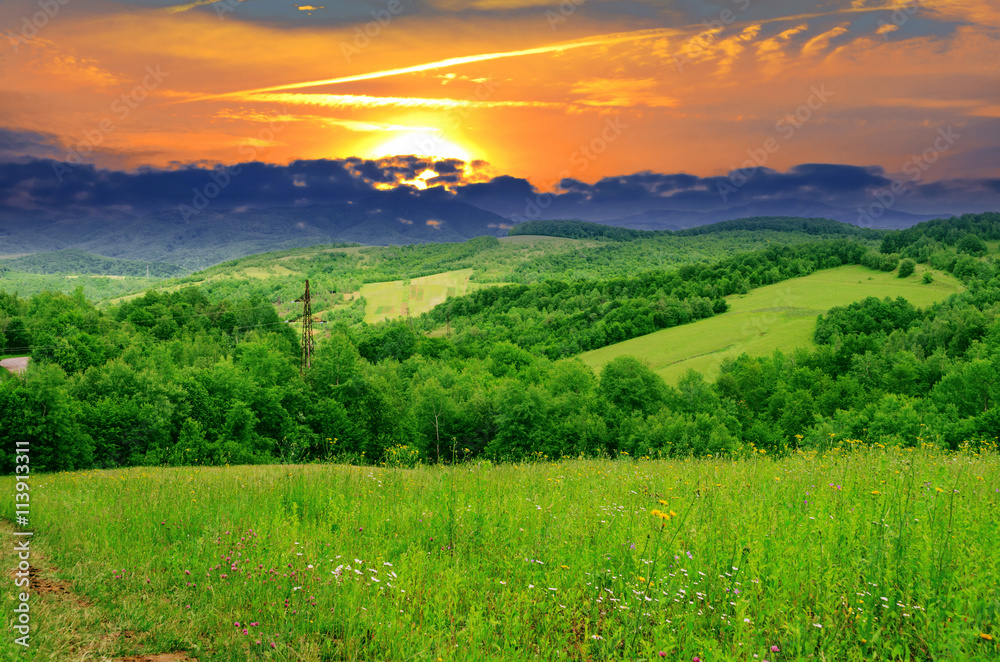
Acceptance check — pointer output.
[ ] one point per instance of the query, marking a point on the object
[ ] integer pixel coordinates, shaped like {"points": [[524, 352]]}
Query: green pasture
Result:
{"points": [[410, 298], [856, 554], [775, 317]]}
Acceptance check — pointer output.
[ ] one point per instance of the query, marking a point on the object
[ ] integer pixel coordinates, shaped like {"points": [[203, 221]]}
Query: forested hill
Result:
{"points": [[182, 378], [584, 230], [75, 261], [966, 233], [559, 319]]}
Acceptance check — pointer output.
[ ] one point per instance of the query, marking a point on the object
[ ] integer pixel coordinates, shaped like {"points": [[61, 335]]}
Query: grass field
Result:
{"points": [[401, 298], [848, 556], [780, 316]]}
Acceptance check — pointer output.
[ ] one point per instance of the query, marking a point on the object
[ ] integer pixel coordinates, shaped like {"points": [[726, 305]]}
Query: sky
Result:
{"points": [[562, 96]]}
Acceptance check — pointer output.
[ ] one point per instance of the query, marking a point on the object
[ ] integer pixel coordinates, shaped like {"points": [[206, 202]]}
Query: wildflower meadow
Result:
{"points": [[852, 554]]}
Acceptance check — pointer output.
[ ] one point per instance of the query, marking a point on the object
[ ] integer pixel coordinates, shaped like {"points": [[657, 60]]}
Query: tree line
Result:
{"points": [[179, 378]]}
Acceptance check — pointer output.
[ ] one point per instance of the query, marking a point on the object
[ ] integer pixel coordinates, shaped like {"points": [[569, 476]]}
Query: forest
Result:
{"points": [[182, 377]]}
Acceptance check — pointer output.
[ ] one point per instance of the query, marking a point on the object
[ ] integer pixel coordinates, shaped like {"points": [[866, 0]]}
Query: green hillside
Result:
{"points": [[352, 283], [74, 261], [586, 230], [775, 317]]}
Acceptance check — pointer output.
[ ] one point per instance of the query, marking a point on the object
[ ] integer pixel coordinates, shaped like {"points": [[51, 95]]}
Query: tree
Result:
{"points": [[972, 245], [18, 337], [435, 412], [630, 385], [335, 363], [906, 268]]}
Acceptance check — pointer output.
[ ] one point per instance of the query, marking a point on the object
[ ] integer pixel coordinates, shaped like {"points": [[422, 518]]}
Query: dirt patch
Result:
{"points": [[16, 365], [40, 584], [87, 644]]}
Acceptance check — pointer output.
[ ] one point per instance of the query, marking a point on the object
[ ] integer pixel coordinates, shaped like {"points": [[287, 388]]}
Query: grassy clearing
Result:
{"points": [[780, 316], [409, 298], [851, 555]]}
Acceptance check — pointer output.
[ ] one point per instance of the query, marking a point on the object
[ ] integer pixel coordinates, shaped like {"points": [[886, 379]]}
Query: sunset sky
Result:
{"points": [[582, 89]]}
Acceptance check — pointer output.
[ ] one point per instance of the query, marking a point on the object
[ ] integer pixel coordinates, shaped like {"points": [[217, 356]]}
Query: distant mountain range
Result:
{"points": [[212, 237], [200, 240], [670, 219]]}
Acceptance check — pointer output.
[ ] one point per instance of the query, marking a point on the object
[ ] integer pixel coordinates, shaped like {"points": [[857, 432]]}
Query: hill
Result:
{"points": [[774, 317], [197, 241], [75, 261], [585, 230]]}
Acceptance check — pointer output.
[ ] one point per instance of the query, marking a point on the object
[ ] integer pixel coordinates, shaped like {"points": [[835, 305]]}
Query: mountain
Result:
{"points": [[200, 240], [670, 219]]}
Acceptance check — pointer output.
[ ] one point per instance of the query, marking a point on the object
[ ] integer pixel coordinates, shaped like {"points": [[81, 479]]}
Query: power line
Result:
{"points": [[110, 321]]}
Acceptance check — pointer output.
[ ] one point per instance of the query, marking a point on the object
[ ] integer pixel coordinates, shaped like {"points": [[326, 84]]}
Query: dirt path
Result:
{"points": [[15, 365], [67, 626]]}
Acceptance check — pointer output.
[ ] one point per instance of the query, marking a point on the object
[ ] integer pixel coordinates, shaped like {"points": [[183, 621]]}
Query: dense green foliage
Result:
{"points": [[75, 261], [558, 319], [337, 269], [581, 230], [95, 288], [967, 232], [184, 377], [585, 230]]}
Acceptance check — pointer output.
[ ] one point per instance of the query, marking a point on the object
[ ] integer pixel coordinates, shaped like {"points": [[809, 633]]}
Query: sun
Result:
{"points": [[430, 144]]}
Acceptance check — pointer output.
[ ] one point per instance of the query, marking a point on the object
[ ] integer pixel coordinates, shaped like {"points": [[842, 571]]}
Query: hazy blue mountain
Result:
{"points": [[199, 240]]}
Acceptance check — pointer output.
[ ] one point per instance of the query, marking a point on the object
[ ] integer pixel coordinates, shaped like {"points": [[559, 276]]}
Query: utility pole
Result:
{"points": [[307, 330]]}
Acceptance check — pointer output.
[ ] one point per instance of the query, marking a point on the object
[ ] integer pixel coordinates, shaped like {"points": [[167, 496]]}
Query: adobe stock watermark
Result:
{"points": [[786, 127], [364, 34], [223, 7], [31, 25], [701, 42], [121, 108], [900, 16], [581, 159], [221, 176], [914, 169], [566, 9], [22, 544]]}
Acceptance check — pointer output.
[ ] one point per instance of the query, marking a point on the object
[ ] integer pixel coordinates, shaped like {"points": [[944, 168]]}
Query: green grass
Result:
{"points": [[410, 298], [776, 317], [849, 556]]}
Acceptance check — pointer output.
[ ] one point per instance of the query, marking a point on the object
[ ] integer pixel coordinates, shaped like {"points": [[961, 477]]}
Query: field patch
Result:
{"points": [[780, 316], [410, 298]]}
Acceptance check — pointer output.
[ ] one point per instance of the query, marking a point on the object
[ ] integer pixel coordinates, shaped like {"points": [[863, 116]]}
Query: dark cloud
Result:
{"points": [[819, 186], [57, 187], [22, 145]]}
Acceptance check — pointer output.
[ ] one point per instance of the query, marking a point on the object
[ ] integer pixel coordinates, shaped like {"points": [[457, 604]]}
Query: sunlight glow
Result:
{"points": [[431, 144]]}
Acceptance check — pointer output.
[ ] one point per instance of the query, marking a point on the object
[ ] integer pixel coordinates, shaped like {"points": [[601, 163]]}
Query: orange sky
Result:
{"points": [[535, 92]]}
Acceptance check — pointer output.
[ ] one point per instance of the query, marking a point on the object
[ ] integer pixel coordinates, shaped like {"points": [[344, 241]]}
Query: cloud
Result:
{"points": [[19, 145], [176, 9], [32, 184], [830, 186], [368, 101], [350, 125], [559, 47], [622, 93]]}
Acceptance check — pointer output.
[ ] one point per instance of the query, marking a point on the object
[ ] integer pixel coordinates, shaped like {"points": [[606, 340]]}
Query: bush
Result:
{"points": [[906, 268]]}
